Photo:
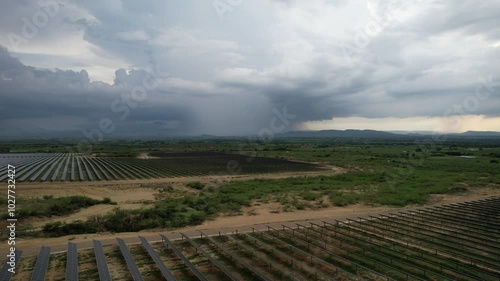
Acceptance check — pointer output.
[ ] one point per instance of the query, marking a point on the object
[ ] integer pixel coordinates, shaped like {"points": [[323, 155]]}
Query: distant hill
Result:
{"points": [[481, 134], [350, 133], [373, 134], [340, 134], [412, 132]]}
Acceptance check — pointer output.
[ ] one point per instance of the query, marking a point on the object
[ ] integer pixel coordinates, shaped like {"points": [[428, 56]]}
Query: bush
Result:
{"points": [[108, 201], [196, 185], [494, 161], [400, 197], [50, 206], [456, 189], [310, 196], [344, 199], [63, 228]]}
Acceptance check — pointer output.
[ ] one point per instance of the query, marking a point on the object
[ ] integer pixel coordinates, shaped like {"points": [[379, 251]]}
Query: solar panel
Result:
{"points": [[56, 173], [100, 259], [30, 170], [92, 167], [183, 258], [86, 167], [5, 274], [159, 263], [236, 257], [40, 171], [47, 173], [65, 170], [72, 168], [72, 263], [42, 262], [136, 275], [212, 260], [285, 272], [80, 171]]}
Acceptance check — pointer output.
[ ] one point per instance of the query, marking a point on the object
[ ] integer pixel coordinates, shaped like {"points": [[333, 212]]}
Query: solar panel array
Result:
{"points": [[236, 257], [212, 260], [183, 258], [159, 263], [5, 274], [42, 263], [100, 259], [456, 242], [134, 271], [72, 263], [42, 167]]}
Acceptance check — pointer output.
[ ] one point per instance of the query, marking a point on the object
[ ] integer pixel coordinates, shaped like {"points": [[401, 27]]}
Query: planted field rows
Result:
{"points": [[81, 167], [450, 242]]}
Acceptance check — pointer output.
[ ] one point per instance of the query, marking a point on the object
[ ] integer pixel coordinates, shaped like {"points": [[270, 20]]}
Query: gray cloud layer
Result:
{"points": [[226, 76]]}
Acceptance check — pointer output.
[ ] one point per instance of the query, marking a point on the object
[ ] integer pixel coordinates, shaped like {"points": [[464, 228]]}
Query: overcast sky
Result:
{"points": [[237, 67]]}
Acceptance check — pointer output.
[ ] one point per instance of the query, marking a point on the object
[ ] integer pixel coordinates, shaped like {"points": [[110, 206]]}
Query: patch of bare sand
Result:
{"points": [[470, 195], [120, 192], [146, 156]]}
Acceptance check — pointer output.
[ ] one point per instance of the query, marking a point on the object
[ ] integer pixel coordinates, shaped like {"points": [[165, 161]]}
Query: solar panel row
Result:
{"points": [[72, 263], [183, 258], [5, 274], [212, 260], [236, 257], [134, 271], [159, 263], [42, 263], [100, 258]]}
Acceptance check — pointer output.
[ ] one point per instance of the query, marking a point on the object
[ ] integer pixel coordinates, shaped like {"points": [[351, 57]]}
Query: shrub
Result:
{"points": [[50, 206], [63, 228], [107, 200], [310, 196], [196, 185], [456, 189], [344, 199]]}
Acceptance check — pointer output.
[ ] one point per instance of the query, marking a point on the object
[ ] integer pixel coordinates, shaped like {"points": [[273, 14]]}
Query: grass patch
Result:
{"points": [[49, 206], [344, 199]]}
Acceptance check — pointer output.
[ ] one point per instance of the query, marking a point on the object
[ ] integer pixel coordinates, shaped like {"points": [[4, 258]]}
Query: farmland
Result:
{"points": [[447, 242], [80, 167]]}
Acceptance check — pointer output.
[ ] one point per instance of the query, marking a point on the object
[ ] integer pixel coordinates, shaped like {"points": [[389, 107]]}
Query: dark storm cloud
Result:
{"points": [[53, 100], [227, 77], [37, 94], [420, 67]]}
